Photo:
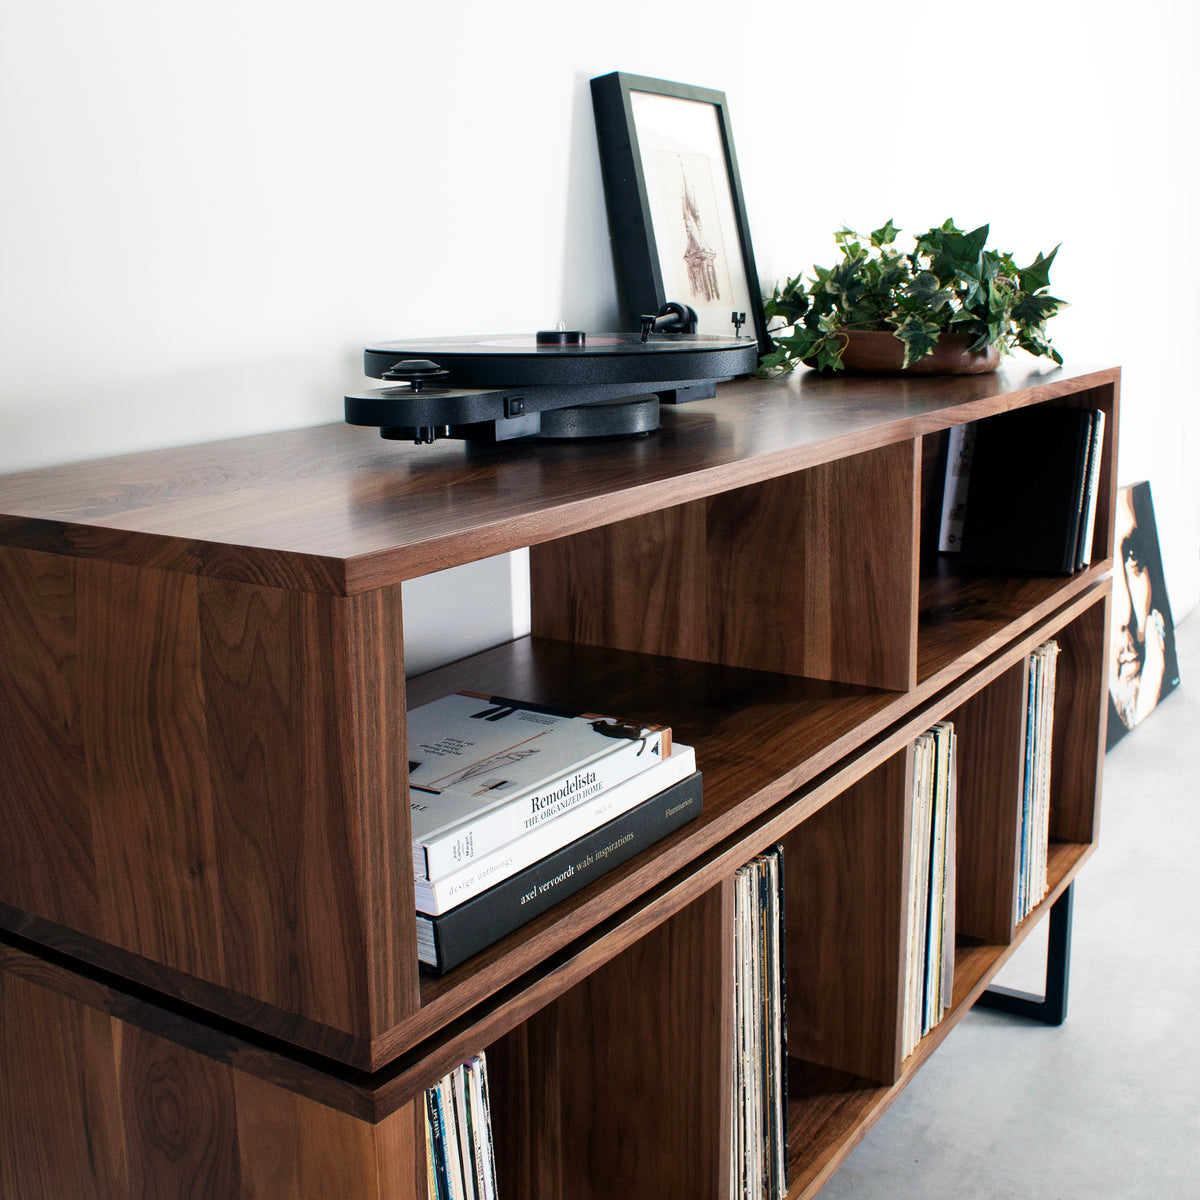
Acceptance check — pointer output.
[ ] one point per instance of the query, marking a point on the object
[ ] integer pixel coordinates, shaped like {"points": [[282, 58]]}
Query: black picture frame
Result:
{"points": [[642, 125]]}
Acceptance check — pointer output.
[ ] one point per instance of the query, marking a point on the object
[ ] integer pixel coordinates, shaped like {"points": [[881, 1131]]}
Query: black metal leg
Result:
{"points": [[1050, 1009]]}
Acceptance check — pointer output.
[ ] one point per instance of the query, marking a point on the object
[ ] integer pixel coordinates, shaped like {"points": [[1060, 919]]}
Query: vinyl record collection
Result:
{"points": [[929, 969], [459, 1163], [758, 1164], [1035, 796]]}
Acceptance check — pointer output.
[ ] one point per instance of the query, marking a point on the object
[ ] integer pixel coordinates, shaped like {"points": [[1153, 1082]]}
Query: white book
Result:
{"points": [[484, 770], [481, 1127], [436, 896], [949, 912], [464, 1149], [961, 447], [1095, 456]]}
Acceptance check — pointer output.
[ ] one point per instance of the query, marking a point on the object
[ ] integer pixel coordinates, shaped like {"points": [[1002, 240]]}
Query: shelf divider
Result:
{"points": [[844, 872], [991, 767], [811, 574]]}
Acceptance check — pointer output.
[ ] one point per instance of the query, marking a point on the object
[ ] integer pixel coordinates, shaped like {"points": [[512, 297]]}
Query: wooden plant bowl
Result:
{"points": [[870, 350]]}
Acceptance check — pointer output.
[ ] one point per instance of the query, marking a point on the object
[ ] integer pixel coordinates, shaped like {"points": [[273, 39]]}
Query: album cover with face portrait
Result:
{"points": [[1142, 665]]}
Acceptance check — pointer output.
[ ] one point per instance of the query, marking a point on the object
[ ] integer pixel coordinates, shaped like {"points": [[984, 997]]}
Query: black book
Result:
{"points": [[1027, 492], [445, 941]]}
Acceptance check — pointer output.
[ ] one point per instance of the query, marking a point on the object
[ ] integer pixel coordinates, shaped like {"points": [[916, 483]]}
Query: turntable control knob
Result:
{"points": [[415, 372]]}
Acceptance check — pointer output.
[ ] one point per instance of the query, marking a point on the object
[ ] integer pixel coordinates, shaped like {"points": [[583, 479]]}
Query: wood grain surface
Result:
{"points": [[991, 771], [335, 508], [1080, 714], [206, 776], [845, 871], [102, 1109], [619, 1108], [808, 574]]}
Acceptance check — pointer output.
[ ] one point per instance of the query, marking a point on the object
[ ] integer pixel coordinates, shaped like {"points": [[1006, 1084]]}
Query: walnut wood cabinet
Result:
{"points": [[208, 969]]}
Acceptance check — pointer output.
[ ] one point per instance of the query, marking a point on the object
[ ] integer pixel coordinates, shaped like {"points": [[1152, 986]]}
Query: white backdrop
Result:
{"points": [[208, 208]]}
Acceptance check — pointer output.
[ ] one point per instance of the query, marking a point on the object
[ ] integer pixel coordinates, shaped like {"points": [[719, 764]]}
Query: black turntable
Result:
{"points": [[557, 384]]}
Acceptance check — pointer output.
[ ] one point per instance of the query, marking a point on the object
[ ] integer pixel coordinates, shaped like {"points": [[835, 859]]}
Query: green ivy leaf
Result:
{"points": [[925, 291], [828, 354], [777, 362], [1037, 274], [919, 338], [885, 235]]}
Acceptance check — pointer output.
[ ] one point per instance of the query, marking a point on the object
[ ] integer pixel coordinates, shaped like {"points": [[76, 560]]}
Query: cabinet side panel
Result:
{"points": [[148, 765], [642, 1044], [290, 1146], [1080, 712], [179, 1118], [374, 744], [844, 869], [400, 1154], [94, 1108], [991, 770], [46, 853], [287, 831], [632, 585], [60, 1124], [816, 573]]}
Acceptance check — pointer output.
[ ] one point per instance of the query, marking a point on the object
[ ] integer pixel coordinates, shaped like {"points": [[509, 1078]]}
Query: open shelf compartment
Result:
{"points": [[663, 1127], [963, 616], [808, 574]]}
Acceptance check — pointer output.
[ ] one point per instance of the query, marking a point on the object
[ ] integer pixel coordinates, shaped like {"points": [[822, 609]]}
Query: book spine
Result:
{"points": [[1079, 491], [439, 1184], [439, 896], [458, 1092], [479, 1078], [450, 849], [960, 446], [449, 939], [450, 1140], [1089, 518]]}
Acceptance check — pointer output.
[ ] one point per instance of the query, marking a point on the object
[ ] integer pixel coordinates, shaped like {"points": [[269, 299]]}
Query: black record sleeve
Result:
{"points": [[1026, 494]]}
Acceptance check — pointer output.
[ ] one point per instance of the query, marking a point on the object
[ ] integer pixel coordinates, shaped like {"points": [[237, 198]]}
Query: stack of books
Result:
{"points": [[929, 967], [1021, 490], [758, 1164], [1035, 796], [515, 806], [459, 1162]]}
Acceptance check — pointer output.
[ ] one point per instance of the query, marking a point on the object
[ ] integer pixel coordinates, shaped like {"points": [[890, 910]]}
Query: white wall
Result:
{"points": [[208, 208]]}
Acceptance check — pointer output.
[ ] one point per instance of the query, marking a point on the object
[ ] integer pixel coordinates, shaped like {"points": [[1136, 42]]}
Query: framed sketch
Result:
{"points": [[1142, 664], [675, 203]]}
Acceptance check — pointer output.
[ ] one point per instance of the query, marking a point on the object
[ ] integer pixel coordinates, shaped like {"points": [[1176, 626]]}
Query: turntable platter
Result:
{"points": [[499, 360]]}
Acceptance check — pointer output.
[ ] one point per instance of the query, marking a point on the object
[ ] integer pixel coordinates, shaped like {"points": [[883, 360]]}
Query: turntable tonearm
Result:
{"points": [[559, 383]]}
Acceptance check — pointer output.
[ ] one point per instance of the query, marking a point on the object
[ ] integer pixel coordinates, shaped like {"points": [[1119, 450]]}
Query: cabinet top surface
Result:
{"points": [[336, 508]]}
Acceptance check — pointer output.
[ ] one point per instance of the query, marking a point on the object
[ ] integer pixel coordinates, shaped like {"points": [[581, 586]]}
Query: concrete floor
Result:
{"points": [[1107, 1106]]}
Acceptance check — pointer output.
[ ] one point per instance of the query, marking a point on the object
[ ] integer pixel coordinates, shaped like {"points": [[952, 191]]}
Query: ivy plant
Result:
{"points": [[948, 283]]}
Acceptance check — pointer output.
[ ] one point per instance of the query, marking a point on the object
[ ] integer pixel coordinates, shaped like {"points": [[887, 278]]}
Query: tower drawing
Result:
{"points": [[702, 276]]}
